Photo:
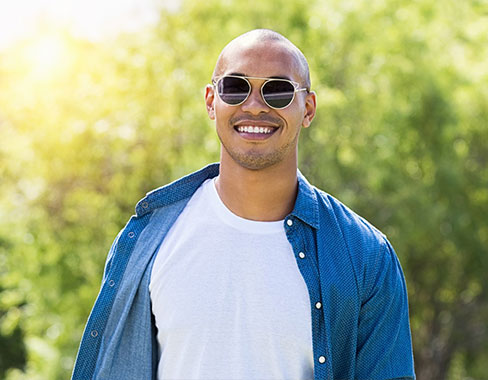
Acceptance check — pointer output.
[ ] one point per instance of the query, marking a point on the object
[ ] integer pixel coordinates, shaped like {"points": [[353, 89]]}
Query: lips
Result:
{"points": [[256, 129], [255, 133]]}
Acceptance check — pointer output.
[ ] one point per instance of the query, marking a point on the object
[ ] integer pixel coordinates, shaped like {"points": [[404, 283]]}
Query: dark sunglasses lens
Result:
{"points": [[233, 90], [278, 93]]}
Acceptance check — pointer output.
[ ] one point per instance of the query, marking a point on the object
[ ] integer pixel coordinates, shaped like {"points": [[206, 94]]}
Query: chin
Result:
{"points": [[256, 162]]}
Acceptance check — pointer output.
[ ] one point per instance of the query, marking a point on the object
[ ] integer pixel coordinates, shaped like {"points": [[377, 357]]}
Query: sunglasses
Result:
{"points": [[276, 93]]}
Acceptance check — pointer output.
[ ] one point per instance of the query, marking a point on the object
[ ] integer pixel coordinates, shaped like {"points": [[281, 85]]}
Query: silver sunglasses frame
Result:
{"points": [[295, 85]]}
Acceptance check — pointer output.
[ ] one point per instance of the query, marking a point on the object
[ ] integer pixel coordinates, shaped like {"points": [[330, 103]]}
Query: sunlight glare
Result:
{"points": [[45, 56], [87, 19]]}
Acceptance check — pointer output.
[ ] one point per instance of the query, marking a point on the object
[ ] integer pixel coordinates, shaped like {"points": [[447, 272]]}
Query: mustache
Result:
{"points": [[265, 118]]}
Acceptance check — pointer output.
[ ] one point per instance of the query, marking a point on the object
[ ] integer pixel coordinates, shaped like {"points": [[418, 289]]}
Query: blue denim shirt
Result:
{"points": [[361, 331]]}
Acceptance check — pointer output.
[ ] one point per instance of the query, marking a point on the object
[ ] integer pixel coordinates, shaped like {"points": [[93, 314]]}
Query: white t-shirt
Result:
{"points": [[228, 298]]}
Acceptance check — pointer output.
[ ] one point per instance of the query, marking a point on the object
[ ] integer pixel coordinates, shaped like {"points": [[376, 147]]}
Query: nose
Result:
{"points": [[255, 104]]}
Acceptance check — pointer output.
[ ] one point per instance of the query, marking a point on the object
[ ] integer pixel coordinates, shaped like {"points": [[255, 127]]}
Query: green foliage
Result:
{"points": [[11, 335], [400, 136]]}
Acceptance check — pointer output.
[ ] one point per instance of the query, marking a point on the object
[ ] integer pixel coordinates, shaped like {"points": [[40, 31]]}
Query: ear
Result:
{"points": [[310, 108], [210, 101]]}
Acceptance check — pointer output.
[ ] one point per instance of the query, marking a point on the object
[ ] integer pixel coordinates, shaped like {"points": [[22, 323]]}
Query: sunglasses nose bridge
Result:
{"points": [[255, 102]]}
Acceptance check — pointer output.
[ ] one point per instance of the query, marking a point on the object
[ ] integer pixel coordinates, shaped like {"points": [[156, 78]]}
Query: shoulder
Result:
{"points": [[356, 230], [368, 249]]}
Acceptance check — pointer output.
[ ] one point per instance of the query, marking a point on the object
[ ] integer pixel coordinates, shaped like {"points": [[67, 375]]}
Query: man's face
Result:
{"points": [[260, 150]]}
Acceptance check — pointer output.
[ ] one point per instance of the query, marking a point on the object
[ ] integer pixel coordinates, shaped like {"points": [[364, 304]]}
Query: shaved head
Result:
{"points": [[263, 37]]}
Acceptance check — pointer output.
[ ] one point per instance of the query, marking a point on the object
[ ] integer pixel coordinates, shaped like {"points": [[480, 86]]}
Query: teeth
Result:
{"points": [[254, 129]]}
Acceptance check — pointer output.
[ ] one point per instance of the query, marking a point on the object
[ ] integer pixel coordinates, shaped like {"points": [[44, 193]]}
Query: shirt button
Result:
{"points": [[322, 359], [111, 282], [94, 333], [301, 255], [131, 234], [289, 222], [144, 204], [318, 305]]}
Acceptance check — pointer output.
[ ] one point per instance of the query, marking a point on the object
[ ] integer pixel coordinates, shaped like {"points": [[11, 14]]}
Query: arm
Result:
{"points": [[384, 341]]}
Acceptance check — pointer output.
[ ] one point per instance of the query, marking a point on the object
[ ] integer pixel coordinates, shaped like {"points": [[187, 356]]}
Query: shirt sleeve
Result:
{"points": [[384, 340]]}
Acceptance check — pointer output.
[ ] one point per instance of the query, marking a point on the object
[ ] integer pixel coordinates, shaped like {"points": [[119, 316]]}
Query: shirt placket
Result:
{"points": [[300, 237]]}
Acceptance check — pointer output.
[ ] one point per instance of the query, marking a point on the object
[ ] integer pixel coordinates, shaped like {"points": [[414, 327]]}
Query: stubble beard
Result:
{"points": [[255, 160]]}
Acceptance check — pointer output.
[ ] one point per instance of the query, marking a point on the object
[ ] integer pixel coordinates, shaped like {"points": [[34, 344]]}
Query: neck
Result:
{"points": [[263, 195]]}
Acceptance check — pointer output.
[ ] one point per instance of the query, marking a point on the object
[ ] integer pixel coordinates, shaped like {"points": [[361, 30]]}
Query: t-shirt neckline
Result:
{"points": [[242, 224]]}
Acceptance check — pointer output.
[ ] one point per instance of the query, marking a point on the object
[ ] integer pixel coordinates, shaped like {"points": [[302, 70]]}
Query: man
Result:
{"points": [[244, 270]]}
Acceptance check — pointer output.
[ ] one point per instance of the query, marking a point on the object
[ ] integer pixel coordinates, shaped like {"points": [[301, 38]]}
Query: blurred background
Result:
{"points": [[102, 101]]}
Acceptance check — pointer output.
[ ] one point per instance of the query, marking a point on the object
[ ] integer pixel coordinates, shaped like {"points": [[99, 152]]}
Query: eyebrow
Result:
{"points": [[272, 77]]}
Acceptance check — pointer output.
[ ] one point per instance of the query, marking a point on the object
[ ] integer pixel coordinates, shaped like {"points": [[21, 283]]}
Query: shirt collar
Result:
{"points": [[306, 206], [176, 191]]}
